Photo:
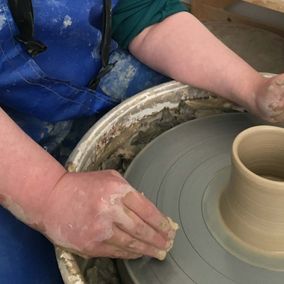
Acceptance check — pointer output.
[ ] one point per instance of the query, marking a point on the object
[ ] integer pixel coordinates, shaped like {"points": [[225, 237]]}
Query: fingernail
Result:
{"points": [[161, 254], [173, 225], [170, 245], [165, 225], [171, 235]]}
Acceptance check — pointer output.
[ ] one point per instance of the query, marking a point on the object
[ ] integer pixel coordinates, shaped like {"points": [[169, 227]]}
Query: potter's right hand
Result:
{"points": [[93, 213], [100, 214]]}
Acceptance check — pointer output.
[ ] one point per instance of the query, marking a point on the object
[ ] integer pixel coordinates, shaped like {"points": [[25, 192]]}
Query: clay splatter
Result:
{"points": [[67, 21], [96, 52], [117, 81], [2, 20], [55, 3]]}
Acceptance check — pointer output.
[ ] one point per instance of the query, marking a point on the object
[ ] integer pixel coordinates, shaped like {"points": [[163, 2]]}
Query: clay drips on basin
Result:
{"points": [[252, 206]]}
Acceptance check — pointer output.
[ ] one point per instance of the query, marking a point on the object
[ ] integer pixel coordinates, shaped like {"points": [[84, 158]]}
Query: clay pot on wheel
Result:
{"points": [[252, 206]]}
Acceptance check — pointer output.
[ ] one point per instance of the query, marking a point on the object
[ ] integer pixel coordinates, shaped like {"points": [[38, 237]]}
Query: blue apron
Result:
{"points": [[46, 93], [52, 86]]}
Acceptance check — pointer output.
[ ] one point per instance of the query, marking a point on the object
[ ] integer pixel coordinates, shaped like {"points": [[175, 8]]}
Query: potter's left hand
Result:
{"points": [[269, 99]]}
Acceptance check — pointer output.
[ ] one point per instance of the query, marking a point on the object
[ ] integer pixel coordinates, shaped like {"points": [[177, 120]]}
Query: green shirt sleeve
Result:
{"points": [[130, 17]]}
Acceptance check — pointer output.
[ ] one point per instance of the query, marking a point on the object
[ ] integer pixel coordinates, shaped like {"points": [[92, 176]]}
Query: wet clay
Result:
{"points": [[183, 177], [252, 204], [152, 126]]}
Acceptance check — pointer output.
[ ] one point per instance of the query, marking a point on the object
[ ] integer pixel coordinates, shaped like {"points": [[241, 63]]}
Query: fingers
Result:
{"points": [[109, 249], [137, 228], [278, 118], [117, 252], [147, 211], [132, 245]]}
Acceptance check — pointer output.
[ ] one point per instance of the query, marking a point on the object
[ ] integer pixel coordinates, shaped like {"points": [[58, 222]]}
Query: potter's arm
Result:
{"points": [[27, 172], [182, 48]]}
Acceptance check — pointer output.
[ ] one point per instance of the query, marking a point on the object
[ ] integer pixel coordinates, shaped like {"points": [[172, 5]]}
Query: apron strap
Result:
{"points": [[105, 45], [22, 12]]}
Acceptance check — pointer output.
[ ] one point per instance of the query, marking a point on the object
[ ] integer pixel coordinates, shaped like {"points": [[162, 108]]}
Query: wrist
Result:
{"points": [[29, 202], [27, 172]]}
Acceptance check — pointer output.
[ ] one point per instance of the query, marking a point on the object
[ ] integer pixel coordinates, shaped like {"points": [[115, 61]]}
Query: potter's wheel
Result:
{"points": [[183, 172]]}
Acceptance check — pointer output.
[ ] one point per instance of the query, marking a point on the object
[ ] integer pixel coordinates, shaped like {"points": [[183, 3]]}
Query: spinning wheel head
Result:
{"points": [[185, 172]]}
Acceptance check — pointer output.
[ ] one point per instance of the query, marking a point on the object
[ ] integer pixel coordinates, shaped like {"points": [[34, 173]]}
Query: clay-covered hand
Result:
{"points": [[269, 99], [100, 214]]}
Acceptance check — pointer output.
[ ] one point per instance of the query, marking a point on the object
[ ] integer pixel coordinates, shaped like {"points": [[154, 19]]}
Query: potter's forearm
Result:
{"points": [[182, 48], [27, 172]]}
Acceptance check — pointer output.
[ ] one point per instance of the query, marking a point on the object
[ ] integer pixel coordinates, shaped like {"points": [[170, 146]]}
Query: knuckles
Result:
{"points": [[140, 230]]}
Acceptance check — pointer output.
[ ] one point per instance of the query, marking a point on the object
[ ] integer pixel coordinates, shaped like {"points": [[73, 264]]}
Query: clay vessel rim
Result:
{"points": [[235, 156]]}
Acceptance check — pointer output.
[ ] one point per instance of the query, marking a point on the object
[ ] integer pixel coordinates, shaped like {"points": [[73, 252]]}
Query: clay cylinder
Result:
{"points": [[252, 205]]}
